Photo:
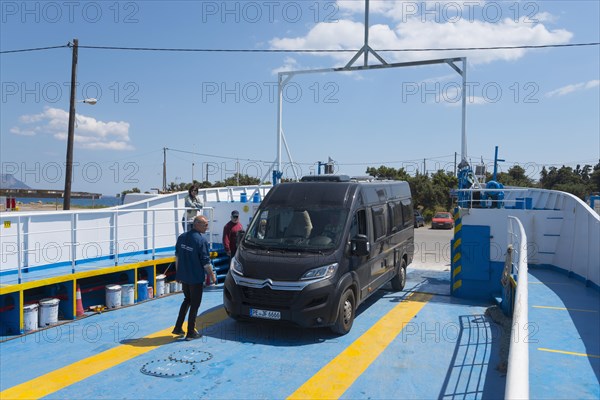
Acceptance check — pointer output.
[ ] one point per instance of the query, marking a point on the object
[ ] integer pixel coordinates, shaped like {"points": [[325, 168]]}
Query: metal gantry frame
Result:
{"points": [[283, 78]]}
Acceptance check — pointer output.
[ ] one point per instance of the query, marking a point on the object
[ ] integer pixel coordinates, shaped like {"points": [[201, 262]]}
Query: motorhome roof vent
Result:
{"points": [[325, 178], [366, 178]]}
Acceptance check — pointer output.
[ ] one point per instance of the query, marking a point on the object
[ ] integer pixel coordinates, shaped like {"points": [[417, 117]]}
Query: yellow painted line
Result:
{"points": [[337, 376], [571, 353], [513, 282], [80, 370], [457, 243], [456, 257], [457, 228], [11, 288], [456, 271], [564, 308], [456, 285]]}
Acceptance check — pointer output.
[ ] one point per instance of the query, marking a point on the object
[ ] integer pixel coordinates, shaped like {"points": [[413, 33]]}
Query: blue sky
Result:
{"points": [[539, 106]]}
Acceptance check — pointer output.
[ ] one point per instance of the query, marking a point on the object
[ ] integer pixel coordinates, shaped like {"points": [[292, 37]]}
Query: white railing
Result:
{"points": [[517, 377], [519, 198], [563, 230], [49, 240]]}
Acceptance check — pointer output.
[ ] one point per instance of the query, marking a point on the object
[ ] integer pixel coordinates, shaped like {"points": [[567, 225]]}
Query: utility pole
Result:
{"points": [[164, 169], [193, 173], [454, 163], [71, 132]]}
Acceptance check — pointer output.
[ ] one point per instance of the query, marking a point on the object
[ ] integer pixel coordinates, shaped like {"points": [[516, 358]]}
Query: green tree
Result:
{"points": [[515, 176], [423, 194], [384, 172], [134, 190], [575, 181], [239, 180], [595, 179], [442, 183]]}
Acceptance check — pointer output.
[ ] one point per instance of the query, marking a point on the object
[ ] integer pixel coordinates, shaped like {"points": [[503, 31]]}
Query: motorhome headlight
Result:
{"points": [[324, 272], [236, 266]]}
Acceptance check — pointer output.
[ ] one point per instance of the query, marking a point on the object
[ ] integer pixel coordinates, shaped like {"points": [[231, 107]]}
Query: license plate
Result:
{"points": [[265, 314]]}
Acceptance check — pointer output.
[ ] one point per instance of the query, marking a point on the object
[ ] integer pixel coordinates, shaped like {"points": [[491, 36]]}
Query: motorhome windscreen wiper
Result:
{"points": [[255, 245]]}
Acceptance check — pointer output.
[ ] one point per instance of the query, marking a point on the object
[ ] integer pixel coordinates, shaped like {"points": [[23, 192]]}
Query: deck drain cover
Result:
{"points": [[168, 368], [190, 356]]}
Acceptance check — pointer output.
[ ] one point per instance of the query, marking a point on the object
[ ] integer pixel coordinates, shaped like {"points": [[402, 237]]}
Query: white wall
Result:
{"points": [[575, 249]]}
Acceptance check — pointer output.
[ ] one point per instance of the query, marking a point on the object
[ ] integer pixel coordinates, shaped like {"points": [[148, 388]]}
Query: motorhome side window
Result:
{"points": [[379, 222], [407, 211], [359, 224], [396, 216]]}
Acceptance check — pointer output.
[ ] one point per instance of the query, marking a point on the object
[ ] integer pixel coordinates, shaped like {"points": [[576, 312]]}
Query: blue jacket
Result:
{"points": [[192, 255]]}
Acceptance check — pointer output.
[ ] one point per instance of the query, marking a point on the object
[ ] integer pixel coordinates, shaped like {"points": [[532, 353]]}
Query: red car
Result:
{"points": [[442, 220]]}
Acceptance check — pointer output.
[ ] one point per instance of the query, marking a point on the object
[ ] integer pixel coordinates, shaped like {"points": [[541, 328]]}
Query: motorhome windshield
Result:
{"points": [[287, 228]]}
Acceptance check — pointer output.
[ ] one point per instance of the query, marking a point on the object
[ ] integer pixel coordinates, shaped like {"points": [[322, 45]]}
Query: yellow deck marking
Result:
{"points": [[457, 284], [457, 243], [337, 376], [564, 308], [80, 370], [456, 271], [571, 353]]}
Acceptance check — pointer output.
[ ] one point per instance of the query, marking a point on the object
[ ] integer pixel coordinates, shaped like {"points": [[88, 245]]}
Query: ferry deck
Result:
{"points": [[421, 343]]}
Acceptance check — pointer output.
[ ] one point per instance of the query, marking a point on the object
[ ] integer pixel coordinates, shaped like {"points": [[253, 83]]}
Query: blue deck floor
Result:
{"points": [[564, 344], [449, 349]]}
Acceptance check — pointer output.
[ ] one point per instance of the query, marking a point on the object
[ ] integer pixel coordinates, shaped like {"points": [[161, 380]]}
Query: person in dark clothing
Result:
{"points": [[192, 261], [230, 232]]}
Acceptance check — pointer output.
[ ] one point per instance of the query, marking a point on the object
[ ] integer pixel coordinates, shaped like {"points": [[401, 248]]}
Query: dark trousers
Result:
{"points": [[192, 298]]}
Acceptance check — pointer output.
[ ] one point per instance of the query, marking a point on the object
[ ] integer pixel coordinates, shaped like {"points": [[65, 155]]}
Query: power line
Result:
{"points": [[34, 49], [337, 50], [200, 50], [306, 163]]}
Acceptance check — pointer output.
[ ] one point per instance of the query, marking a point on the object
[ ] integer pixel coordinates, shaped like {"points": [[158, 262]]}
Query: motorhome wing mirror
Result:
{"points": [[360, 245], [239, 237]]}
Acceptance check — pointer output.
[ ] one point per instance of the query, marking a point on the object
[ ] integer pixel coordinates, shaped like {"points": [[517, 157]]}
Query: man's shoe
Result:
{"points": [[193, 336], [179, 332]]}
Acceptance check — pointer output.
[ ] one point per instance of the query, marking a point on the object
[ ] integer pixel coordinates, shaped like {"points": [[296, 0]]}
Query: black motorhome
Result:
{"points": [[318, 248]]}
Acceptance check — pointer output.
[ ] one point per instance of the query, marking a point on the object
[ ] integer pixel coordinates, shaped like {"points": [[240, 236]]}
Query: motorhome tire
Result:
{"points": [[345, 317], [399, 281]]}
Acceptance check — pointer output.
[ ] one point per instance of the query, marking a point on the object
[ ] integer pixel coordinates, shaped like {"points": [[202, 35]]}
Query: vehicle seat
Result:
{"points": [[300, 225]]}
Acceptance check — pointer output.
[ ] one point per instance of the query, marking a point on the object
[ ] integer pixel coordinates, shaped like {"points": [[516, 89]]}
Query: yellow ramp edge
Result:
{"points": [[336, 377], [80, 370]]}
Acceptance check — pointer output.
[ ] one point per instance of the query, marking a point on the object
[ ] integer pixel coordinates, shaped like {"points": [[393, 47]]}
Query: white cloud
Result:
{"points": [[408, 30], [22, 132], [576, 87], [545, 17], [289, 64], [90, 133]]}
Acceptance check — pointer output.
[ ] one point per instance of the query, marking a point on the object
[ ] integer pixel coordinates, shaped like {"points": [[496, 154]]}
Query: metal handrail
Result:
{"points": [[517, 376], [109, 234]]}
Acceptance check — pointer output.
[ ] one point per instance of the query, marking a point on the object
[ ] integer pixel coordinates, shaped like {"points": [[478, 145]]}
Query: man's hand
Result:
{"points": [[213, 277]]}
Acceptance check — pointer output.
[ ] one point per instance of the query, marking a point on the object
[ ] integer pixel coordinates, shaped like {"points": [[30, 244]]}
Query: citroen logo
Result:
{"points": [[267, 282]]}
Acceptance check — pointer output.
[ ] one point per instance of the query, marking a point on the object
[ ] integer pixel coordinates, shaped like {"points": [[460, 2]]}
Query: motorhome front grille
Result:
{"points": [[267, 296]]}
